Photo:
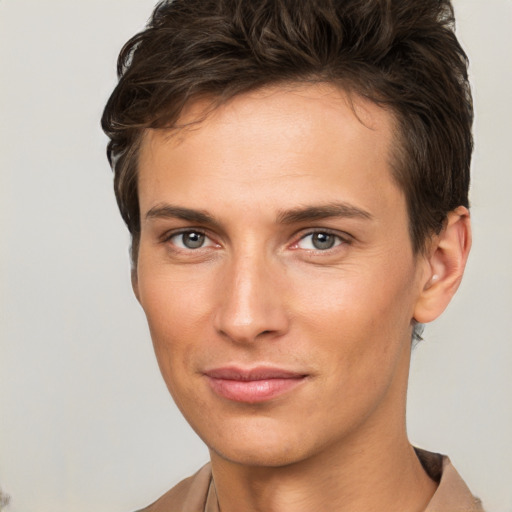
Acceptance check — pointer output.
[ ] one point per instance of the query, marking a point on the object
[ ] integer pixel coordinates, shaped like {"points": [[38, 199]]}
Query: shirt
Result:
{"points": [[197, 493]]}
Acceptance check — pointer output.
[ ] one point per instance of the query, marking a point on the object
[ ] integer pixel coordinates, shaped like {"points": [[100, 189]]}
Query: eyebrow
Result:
{"points": [[168, 211], [293, 216], [310, 213]]}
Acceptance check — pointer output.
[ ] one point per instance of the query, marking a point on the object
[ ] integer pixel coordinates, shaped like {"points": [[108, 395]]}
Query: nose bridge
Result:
{"points": [[250, 301]]}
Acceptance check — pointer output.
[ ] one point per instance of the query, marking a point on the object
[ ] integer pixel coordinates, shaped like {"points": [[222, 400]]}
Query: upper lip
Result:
{"points": [[257, 373]]}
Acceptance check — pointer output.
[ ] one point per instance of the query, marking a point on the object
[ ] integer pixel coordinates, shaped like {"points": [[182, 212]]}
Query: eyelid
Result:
{"points": [[344, 238], [169, 235]]}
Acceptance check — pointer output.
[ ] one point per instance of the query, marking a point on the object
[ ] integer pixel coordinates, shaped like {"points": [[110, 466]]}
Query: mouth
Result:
{"points": [[253, 385]]}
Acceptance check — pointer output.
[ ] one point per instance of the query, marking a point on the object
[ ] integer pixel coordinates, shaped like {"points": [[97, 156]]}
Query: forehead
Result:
{"points": [[294, 106], [278, 145]]}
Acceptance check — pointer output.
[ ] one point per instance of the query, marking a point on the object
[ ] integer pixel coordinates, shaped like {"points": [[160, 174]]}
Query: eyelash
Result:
{"points": [[340, 239], [169, 236]]}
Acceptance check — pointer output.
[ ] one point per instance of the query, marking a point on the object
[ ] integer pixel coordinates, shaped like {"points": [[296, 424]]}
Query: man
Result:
{"points": [[294, 176]]}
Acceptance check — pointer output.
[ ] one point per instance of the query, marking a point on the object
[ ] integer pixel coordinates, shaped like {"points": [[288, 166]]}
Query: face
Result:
{"points": [[277, 274]]}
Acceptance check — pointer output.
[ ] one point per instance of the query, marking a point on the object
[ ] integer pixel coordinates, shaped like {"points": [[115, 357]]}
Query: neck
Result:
{"points": [[370, 478], [375, 469]]}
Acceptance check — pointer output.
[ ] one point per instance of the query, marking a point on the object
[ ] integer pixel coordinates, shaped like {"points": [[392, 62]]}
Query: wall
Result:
{"points": [[85, 420]]}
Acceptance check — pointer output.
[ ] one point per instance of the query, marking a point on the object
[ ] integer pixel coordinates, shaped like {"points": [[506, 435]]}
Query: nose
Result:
{"points": [[250, 304]]}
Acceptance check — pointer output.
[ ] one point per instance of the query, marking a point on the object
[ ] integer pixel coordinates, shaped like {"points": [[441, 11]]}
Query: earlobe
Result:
{"points": [[445, 266]]}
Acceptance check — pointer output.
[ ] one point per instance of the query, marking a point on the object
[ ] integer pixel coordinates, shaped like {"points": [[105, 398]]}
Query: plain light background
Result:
{"points": [[86, 423]]}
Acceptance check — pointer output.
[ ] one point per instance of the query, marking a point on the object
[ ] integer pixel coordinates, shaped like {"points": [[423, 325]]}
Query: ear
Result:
{"points": [[445, 265], [135, 282]]}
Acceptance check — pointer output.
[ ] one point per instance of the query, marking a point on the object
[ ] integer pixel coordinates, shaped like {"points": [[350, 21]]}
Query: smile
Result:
{"points": [[252, 386]]}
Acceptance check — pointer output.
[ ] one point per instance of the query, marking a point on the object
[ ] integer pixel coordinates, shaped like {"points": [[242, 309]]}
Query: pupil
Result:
{"points": [[193, 240], [323, 240]]}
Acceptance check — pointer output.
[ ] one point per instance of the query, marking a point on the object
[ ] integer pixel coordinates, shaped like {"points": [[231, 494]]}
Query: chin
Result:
{"points": [[262, 447], [260, 456]]}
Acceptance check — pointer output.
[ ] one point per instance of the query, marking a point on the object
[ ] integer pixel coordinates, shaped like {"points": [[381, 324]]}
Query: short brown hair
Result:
{"points": [[401, 54]]}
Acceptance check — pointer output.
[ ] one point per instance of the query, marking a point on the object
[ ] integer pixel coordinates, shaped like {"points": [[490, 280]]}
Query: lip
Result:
{"points": [[253, 385]]}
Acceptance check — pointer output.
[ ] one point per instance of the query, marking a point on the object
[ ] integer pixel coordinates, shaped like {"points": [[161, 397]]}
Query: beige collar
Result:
{"points": [[197, 493]]}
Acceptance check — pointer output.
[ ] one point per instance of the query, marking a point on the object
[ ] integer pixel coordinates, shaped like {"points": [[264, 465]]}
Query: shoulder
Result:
{"points": [[452, 495], [187, 496]]}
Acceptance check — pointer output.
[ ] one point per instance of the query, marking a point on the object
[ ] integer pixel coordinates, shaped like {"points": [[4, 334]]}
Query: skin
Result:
{"points": [[258, 292]]}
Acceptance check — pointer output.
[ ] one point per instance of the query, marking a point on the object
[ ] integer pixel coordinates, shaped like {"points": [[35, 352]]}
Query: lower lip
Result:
{"points": [[253, 391]]}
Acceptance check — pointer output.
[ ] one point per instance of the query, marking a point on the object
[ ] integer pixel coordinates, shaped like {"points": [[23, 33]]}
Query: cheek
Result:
{"points": [[363, 298], [360, 317], [170, 297], [175, 309]]}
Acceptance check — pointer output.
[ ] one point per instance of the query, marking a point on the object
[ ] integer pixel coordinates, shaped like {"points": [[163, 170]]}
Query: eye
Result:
{"points": [[191, 240], [319, 241]]}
